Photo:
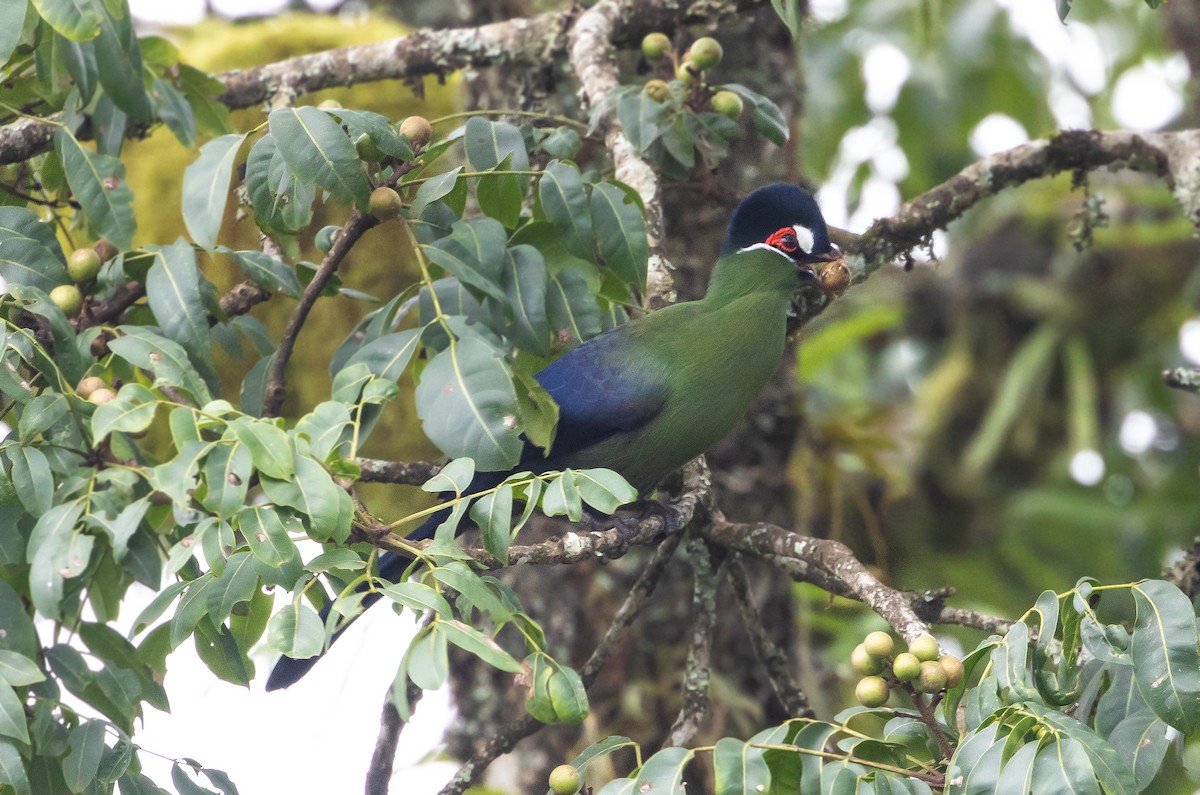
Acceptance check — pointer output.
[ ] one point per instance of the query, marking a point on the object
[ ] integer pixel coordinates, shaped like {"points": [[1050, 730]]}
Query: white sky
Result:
{"points": [[271, 745]]}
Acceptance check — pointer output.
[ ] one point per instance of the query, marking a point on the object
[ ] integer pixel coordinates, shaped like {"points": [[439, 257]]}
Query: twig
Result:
{"points": [[697, 676], [275, 390], [773, 658], [508, 736], [1185, 378]]}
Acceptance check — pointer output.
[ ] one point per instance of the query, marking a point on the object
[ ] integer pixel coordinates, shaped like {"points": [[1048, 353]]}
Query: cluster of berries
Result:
{"points": [[918, 670], [690, 73]]}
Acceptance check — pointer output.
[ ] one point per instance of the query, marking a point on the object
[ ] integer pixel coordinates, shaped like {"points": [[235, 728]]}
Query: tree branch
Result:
{"points": [[706, 577], [1173, 156], [530, 40], [276, 390], [773, 659]]}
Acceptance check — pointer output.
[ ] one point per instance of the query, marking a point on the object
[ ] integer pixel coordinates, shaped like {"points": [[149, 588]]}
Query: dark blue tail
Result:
{"points": [[289, 671]]}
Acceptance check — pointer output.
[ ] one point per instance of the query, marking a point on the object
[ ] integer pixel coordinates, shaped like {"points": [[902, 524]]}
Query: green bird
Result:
{"points": [[646, 397]]}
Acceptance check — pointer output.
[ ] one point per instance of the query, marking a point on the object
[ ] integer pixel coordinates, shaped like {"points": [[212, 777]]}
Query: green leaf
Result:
{"points": [[193, 608], [296, 631], [17, 669], [236, 585], [270, 273], [473, 253], [378, 128], [388, 356], [18, 222], [427, 660], [31, 476], [572, 307], [739, 768], [56, 552], [281, 202], [122, 528], [119, 68], [561, 497], [206, 188], [173, 109], [27, 261], [78, 20], [1141, 742], [1166, 657], [87, 749], [418, 597], [489, 143], [662, 773], [40, 415], [266, 535], [640, 118], [177, 477], [1102, 763], [12, 769], [493, 513], [166, 359], [132, 411], [269, 446], [556, 693], [467, 405], [12, 716], [318, 152], [174, 289], [525, 282], [565, 203], [469, 639], [216, 647], [324, 427], [603, 489], [432, 190], [227, 471], [620, 229], [312, 492], [476, 591]]}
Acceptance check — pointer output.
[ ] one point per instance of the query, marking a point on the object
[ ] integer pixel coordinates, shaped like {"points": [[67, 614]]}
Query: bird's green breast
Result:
{"points": [[717, 359]]}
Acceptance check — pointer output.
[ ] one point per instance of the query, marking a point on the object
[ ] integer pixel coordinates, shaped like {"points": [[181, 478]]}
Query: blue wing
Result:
{"points": [[602, 387]]}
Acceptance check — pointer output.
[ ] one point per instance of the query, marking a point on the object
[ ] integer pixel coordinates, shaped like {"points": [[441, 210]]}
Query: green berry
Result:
{"points": [[932, 678], [657, 90], [368, 151], [879, 644], [565, 780], [325, 237], [655, 46], [906, 667], [864, 662], [953, 668], [728, 104], [67, 298], [329, 104], [83, 265], [872, 691], [706, 52], [385, 203], [925, 647], [417, 129]]}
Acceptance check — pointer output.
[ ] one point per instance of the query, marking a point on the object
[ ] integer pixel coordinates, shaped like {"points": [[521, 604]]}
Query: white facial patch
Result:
{"points": [[804, 237], [764, 247]]}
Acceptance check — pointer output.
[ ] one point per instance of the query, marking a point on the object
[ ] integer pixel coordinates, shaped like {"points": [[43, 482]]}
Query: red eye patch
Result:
{"points": [[784, 240]]}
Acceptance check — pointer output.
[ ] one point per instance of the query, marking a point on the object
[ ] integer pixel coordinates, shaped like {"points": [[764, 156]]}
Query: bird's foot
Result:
{"points": [[628, 524]]}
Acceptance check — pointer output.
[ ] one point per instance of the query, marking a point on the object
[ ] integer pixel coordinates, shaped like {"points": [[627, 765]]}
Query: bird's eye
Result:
{"points": [[784, 240]]}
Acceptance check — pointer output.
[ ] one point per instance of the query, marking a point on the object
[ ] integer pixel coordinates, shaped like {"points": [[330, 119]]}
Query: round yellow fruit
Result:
{"points": [[565, 780], [67, 298], [872, 691], [417, 129], [706, 52], [655, 46], [385, 203], [83, 265]]}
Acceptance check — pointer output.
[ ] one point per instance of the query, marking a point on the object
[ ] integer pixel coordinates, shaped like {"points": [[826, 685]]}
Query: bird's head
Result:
{"points": [[786, 219]]}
